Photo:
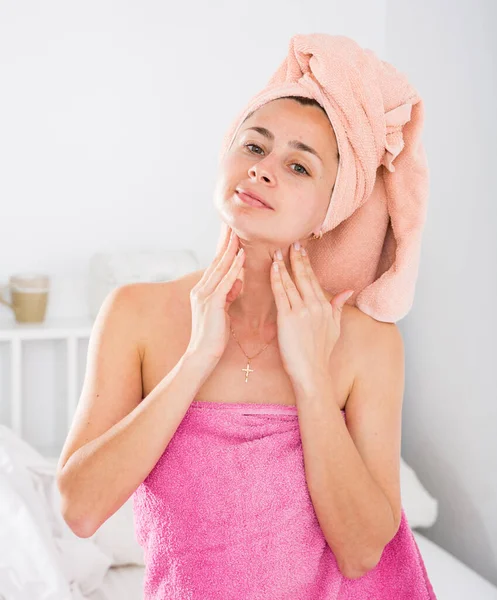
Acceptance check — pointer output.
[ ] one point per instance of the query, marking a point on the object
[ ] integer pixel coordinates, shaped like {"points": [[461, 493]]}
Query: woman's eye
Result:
{"points": [[305, 170], [254, 145], [297, 164]]}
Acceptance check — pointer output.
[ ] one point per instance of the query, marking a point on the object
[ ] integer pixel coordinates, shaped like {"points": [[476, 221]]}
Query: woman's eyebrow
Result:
{"points": [[292, 143]]}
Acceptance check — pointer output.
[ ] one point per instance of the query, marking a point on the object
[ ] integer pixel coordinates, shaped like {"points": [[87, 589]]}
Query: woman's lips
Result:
{"points": [[251, 201]]}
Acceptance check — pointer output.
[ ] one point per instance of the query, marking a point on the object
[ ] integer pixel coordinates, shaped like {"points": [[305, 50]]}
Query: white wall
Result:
{"points": [[449, 50], [111, 117]]}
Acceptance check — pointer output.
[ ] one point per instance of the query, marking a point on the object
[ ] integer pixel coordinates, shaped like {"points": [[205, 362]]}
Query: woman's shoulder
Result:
{"points": [[154, 302], [360, 320], [173, 289], [360, 333], [160, 310]]}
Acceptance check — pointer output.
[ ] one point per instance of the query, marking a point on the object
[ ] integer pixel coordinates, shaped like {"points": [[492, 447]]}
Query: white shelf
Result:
{"points": [[50, 329], [68, 329]]}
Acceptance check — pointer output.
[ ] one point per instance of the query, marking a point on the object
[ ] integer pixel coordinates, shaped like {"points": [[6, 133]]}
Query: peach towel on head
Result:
{"points": [[226, 514], [377, 211]]}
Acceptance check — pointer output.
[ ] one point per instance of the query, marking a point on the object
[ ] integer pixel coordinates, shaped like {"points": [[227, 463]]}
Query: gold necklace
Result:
{"points": [[247, 369]]}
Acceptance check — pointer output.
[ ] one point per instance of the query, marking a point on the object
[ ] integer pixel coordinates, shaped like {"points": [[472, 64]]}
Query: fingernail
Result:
{"points": [[296, 245], [279, 256]]}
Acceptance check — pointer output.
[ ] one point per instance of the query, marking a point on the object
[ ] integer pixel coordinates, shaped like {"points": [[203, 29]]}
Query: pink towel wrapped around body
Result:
{"points": [[225, 514]]}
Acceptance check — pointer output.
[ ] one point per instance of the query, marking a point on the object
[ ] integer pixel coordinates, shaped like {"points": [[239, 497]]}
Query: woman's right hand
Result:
{"points": [[211, 298]]}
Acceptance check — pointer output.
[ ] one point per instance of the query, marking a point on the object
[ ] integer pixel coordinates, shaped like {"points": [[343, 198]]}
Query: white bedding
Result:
{"points": [[452, 579], [121, 583]]}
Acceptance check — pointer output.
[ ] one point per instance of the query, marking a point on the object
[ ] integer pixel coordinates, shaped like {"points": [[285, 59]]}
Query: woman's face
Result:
{"points": [[295, 182]]}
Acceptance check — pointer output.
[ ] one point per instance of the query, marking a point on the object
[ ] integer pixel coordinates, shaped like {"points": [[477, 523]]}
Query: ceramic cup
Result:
{"points": [[28, 296]]}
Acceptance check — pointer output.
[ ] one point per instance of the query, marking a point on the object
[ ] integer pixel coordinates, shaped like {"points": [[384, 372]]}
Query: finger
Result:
{"points": [[303, 281], [279, 292], [338, 301], [219, 254], [227, 238], [291, 289], [229, 279], [222, 265], [219, 267], [224, 238], [316, 286]]}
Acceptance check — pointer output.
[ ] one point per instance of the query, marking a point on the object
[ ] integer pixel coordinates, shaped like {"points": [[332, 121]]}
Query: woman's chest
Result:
{"points": [[246, 373]]}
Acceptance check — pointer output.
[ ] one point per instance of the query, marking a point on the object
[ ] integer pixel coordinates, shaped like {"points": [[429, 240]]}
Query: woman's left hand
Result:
{"points": [[308, 323]]}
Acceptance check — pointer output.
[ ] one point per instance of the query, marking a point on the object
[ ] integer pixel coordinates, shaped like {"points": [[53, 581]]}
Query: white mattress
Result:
{"points": [[451, 579]]}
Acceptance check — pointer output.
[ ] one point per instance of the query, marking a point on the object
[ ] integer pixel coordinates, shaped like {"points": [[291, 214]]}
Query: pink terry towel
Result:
{"points": [[225, 514]]}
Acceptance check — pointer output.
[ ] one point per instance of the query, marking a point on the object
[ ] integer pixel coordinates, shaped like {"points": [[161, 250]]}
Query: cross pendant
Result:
{"points": [[247, 371]]}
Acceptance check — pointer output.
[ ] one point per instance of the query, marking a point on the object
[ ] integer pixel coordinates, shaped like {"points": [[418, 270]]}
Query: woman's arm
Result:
{"points": [[117, 438], [353, 468]]}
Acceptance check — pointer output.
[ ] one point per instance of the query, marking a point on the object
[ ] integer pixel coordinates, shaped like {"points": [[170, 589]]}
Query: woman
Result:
{"points": [[283, 484]]}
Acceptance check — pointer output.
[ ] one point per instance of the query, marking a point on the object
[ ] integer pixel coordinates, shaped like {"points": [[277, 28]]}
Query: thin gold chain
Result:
{"points": [[247, 369]]}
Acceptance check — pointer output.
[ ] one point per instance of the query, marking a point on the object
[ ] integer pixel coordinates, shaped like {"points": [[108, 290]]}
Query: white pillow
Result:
{"points": [[420, 507]]}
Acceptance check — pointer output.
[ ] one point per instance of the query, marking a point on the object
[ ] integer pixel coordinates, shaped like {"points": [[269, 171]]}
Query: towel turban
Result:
{"points": [[373, 227]]}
